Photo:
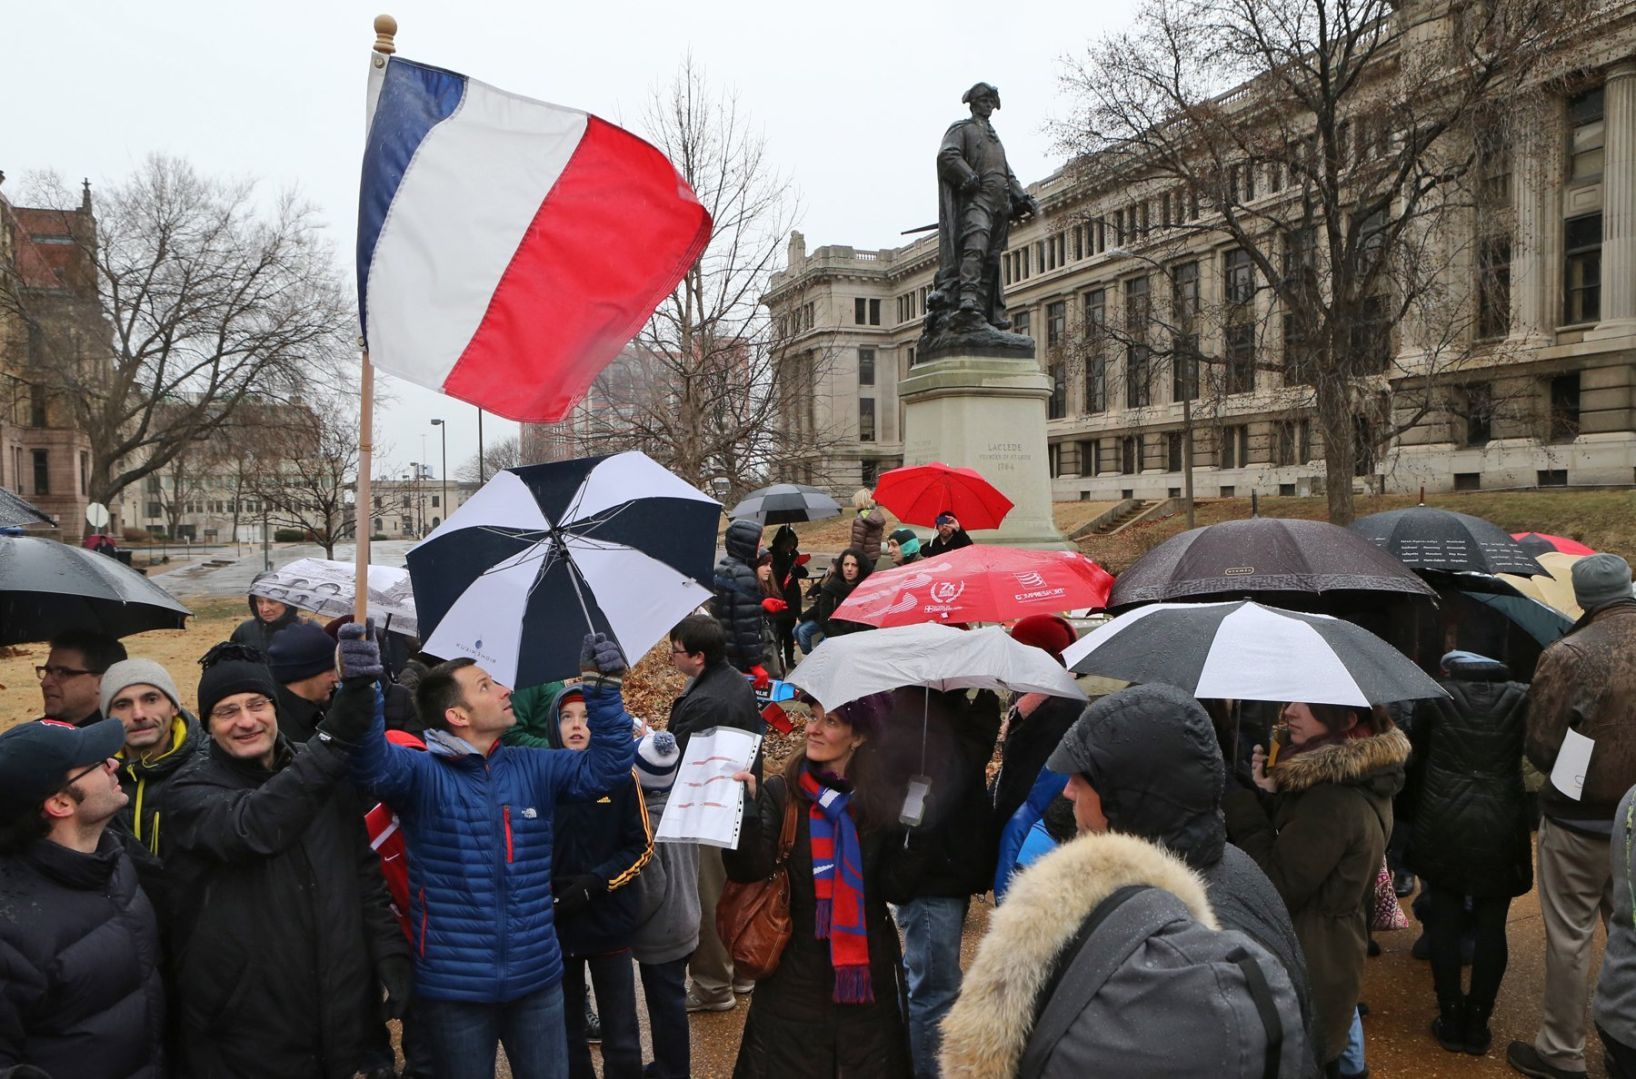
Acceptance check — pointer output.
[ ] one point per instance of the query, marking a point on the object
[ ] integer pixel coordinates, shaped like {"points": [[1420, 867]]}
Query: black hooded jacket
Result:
{"points": [[258, 634], [281, 916], [738, 595], [1152, 756], [80, 989], [1470, 819]]}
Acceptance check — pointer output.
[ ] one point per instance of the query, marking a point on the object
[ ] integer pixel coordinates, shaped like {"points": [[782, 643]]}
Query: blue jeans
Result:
{"points": [[1351, 1061], [804, 632], [665, 987], [464, 1036], [931, 959], [615, 984]]}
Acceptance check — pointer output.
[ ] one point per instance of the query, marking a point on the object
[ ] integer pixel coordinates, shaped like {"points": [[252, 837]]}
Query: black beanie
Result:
{"points": [[230, 669], [300, 651]]}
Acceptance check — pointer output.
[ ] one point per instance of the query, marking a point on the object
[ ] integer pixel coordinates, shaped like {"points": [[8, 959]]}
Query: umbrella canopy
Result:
{"points": [[326, 587], [16, 513], [842, 669], [1244, 651], [784, 503], [1258, 555], [544, 554], [980, 583], [48, 587], [1424, 537], [1556, 588], [919, 493], [1538, 543]]}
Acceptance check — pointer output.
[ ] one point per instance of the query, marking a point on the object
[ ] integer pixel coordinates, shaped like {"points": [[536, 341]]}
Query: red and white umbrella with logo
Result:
{"points": [[979, 583]]}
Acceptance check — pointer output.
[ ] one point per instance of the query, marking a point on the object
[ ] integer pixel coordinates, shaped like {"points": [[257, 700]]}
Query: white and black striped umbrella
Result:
{"points": [[1247, 652], [786, 503], [544, 554]]}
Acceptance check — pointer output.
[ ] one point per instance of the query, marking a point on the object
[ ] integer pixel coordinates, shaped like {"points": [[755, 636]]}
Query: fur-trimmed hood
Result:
{"points": [[987, 1030], [1355, 762]]}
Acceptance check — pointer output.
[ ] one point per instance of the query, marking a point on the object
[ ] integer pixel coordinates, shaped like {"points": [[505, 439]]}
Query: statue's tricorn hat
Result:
{"points": [[980, 88]]}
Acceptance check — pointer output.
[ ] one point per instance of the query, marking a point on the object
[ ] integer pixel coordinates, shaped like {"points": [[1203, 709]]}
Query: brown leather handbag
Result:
{"points": [[753, 920]]}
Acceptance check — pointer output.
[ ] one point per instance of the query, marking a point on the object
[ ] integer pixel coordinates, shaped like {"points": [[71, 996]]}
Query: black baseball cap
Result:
{"points": [[36, 757]]}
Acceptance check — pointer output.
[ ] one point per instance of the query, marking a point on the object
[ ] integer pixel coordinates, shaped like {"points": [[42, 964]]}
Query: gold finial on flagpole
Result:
{"points": [[386, 28]]}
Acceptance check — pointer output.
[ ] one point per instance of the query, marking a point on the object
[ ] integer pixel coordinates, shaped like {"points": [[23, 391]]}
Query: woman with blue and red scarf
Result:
{"points": [[833, 1007]]}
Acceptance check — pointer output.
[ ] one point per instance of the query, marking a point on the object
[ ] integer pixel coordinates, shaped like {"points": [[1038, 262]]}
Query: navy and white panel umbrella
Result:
{"points": [[544, 554], [1247, 652], [786, 503]]}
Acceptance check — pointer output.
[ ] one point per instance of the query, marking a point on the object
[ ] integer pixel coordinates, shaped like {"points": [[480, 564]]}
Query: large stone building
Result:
{"points": [[1541, 391], [45, 265]]}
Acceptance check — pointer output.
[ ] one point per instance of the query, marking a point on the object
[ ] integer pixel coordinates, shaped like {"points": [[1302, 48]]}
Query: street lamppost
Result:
{"points": [[1187, 395], [414, 498], [443, 434]]}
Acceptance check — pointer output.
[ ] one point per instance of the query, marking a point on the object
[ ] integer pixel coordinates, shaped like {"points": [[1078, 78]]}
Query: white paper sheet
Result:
{"points": [[707, 805], [1572, 761]]}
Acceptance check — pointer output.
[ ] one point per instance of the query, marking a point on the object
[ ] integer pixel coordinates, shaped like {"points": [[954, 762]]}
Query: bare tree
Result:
{"points": [[1341, 148], [210, 295], [303, 464], [506, 453], [703, 387]]}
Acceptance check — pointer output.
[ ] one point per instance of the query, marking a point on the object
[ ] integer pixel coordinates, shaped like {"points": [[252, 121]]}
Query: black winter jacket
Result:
{"points": [[831, 594], [80, 991], [1028, 744], [298, 718], [1470, 820], [610, 839], [258, 634], [938, 545], [795, 1029], [282, 918], [951, 852], [719, 697], [738, 599], [787, 572], [147, 783]]}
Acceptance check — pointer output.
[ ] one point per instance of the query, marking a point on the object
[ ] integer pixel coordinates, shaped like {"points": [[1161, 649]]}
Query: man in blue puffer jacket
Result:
{"points": [[477, 817]]}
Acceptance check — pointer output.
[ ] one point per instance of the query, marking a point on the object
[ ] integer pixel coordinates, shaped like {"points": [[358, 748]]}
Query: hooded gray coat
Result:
{"points": [[1168, 1007]]}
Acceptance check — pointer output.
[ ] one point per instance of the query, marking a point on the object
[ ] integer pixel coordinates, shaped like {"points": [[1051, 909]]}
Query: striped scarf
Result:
{"points": [[837, 878]]}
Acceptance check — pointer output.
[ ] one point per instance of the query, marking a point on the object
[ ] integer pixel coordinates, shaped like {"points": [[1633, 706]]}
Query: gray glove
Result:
{"points": [[358, 654], [601, 661]]}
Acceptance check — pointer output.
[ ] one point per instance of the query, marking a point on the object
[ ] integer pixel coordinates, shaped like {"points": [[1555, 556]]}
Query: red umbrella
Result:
{"points": [[980, 583], [1538, 543], [919, 493]]}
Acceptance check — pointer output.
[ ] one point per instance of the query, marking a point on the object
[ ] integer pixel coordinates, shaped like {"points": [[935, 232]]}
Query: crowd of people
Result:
{"points": [[332, 833]]}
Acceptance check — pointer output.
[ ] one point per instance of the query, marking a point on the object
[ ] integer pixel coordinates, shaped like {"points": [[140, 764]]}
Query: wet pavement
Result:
{"points": [[204, 577]]}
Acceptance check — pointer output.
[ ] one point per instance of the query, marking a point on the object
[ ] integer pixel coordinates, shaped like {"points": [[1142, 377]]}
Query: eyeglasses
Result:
{"points": [[83, 772], [680, 652], [255, 706], [61, 673]]}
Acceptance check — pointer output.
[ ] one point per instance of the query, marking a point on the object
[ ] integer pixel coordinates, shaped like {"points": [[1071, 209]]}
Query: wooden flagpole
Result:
{"points": [[386, 28]]}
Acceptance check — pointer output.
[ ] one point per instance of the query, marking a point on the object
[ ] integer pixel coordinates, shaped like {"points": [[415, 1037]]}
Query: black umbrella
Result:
{"points": [[1262, 555], [543, 554], [784, 503], [1246, 652], [1427, 538], [16, 513], [48, 587]]}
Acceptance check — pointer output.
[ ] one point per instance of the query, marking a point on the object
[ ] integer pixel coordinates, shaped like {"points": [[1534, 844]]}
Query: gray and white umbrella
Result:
{"points": [[1247, 652], [327, 587], [786, 503], [544, 554], [844, 668]]}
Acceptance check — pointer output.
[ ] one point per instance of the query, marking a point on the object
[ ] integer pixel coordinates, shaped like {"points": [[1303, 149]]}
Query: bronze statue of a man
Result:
{"points": [[978, 199]]}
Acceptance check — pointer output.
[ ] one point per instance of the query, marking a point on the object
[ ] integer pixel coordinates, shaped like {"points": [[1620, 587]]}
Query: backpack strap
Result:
{"points": [[786, 833], [1266, 1008], [1073, 983]]}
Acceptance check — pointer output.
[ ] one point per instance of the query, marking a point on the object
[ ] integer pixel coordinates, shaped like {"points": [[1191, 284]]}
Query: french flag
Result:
{"points": [[508, 248]]}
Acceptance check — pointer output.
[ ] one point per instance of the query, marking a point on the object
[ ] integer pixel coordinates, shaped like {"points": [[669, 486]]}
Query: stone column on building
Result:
{"points": [[1619, 203], [1537, 204]]}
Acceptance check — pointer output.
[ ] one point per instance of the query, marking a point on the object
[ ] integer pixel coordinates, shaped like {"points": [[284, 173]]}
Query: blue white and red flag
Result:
{"points": [[509, 248]]}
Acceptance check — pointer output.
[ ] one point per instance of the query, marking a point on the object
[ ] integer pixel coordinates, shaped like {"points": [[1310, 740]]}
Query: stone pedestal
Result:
{"points": [[987, 413]]}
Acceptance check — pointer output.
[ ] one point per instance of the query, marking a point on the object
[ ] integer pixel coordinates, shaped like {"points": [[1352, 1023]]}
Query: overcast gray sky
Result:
{"points": [[852, 98]]}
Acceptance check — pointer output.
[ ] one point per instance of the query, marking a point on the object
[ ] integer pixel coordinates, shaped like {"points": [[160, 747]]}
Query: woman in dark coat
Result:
{"points": [[1470, 834], [850, 570], [832, 1007], [737, 604], [789, 570], [1323, 843]]}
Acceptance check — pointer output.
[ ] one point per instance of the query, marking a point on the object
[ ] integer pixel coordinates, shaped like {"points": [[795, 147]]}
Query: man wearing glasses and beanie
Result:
{"points": [[80, 990], [281, 919]]}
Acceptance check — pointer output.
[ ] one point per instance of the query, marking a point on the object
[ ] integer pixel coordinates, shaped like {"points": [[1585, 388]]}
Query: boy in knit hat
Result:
{"points": [[598, 848], [903, 547], [667, 916], [160, 737], [302, 659]]}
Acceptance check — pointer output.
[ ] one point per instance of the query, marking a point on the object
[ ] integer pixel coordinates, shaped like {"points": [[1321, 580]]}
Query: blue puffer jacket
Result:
{"points": [[478, 831], [1014, 836]]}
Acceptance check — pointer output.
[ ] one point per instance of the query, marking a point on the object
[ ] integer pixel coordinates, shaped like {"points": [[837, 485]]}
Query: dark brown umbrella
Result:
{"points": [[1263, 557]]}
